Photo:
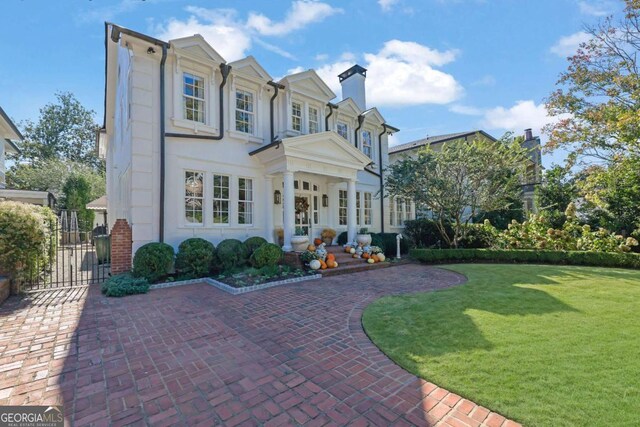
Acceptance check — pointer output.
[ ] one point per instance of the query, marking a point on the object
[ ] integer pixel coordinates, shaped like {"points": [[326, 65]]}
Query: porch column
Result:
{"points": [[289, 207], [268, 189], [351, 210]]}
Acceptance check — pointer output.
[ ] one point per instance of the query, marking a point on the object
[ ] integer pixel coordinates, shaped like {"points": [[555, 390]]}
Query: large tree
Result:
{"points": [[598, 102], [557, 190], [65, 130], [459, 181]]}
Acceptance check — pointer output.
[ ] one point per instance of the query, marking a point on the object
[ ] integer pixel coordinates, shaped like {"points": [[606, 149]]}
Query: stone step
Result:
{"points": [[353, 268]]}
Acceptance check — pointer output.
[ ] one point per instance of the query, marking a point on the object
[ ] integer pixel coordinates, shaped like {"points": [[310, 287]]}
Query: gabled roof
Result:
{"points": [[349, 105], [373, 113], [197, 45], [250, 67], [313, 77], [437, 139], [9, 132]]}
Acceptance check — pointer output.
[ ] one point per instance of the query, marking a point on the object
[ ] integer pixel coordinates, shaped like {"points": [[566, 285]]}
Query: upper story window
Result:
{"points": [[367, 148], [244, 111], [313, 120], [296, 116], [343, 130], [193, 97]]}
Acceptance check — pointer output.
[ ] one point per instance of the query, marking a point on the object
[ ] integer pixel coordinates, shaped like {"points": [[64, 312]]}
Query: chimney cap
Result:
{"points": [[356, 69], [528, 134]]}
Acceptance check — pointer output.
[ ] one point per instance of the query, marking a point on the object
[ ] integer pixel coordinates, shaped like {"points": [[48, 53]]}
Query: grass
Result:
{"points": [[544, 345]]}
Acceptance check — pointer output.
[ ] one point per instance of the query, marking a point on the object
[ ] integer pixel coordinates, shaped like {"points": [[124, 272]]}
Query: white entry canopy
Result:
{"points": [[323, 153]]}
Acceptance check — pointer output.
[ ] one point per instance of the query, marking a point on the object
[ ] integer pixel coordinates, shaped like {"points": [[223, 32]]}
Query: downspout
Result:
{"points": [[360, 122], [384, 130], [162, 142], [224, 69], [326, 119], [275, 86]]}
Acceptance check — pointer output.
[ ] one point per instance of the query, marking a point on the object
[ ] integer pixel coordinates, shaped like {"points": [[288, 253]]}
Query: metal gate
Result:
{"points": [[76, 255]]}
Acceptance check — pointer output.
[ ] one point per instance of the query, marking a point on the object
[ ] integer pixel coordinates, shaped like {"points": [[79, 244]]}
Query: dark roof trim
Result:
{"points": [[391, 129], [454, 137], [266, 147], [13, 145], [11, 124]]}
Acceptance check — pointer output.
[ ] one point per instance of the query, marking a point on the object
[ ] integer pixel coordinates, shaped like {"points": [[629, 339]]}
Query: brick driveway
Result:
{"points": [[194, 355]]}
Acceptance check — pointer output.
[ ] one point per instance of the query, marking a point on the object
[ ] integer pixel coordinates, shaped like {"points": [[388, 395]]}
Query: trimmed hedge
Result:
{"points": [[124, 284], [342, 238], [232, 253], [597, 259], [27, 239], [267, 255], [153, 261], [390, 246], [253, 243], [195, 257]]}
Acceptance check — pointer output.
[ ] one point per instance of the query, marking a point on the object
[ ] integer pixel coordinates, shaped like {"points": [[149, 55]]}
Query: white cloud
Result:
{"points": [[486, 80], [466, 110], [321, 57], [522, 115], [568, 45], [302, 13], [596, 8], [386, 5], [232, 37], [219, 27], [400, 74]]}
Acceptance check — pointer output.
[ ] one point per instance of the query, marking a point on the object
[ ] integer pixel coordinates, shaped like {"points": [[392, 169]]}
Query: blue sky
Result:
{"points": [[435, 66]]}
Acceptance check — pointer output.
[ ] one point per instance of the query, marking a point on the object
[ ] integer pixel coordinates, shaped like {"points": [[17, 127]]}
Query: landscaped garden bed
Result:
{"points": [[543, 345], [254, 276]]}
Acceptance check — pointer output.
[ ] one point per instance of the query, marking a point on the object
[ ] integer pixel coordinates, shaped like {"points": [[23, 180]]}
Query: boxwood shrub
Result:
{"points": [[153, 261], [266, 255], [342, 238], [232, 253], [253, 243], [124, 284], [390, 245], [598, 259], [195, 257]]}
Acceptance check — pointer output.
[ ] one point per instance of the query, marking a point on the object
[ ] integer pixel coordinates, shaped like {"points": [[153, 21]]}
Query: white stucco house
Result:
{"points": [[199, 146]]}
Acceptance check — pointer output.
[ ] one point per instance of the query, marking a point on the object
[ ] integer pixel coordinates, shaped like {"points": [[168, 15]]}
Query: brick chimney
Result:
{"points": [[352, 82], [528, 135]]}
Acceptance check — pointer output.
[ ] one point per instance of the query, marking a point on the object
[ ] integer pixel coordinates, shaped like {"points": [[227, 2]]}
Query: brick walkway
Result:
{"points": [[195, 355]]}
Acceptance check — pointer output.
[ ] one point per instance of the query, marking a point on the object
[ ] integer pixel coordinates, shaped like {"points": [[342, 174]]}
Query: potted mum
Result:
{"points": [[300, 240], [328, 234], [363, 237]]}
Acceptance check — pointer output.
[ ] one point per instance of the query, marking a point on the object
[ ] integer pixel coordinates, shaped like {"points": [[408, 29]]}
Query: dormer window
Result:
{"points": [[313, 120], [193, 97], [244, 111], [296, 116], [343, 130], [367, 148]]}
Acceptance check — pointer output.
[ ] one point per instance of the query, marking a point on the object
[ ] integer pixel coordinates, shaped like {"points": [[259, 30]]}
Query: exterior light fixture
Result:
{"points": [[277, 197], [325, 201]]}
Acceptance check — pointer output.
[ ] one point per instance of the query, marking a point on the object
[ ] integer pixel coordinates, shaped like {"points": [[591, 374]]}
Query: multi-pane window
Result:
{"points": [[296, 116], [313, 120], [343, 130], [407, 210], [245, 201], [193, 196], [367, 209], [342, 207], [366, 144], [315, 210], [306, 186], [358, 217], [193, 97], [220, 199], [244, 111], [392, 211], [399, 212]]}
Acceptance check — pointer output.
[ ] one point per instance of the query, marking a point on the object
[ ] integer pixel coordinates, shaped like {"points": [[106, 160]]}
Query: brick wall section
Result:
{"points": [[121, 247]]}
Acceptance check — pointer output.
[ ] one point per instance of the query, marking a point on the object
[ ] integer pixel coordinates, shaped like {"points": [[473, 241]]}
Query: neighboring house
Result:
{"points": [[99, 208], [399, 208], [9, 138], [198, 146]]}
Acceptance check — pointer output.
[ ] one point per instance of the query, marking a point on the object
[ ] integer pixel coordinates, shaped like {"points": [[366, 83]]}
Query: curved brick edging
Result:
{"points": [[438, 406]]}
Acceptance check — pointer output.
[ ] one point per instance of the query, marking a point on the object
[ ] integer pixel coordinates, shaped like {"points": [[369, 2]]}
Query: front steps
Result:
{"points": [[347, 264]]}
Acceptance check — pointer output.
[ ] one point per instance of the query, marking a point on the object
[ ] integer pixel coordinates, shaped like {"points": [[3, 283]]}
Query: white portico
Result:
{"points": [[326, 156]]}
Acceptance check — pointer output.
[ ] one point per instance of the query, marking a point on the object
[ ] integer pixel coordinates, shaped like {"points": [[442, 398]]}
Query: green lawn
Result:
{"points": [[544, 345]]}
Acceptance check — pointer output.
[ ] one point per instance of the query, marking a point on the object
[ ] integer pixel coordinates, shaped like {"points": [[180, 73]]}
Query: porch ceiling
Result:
{"points": [[324, 153]]}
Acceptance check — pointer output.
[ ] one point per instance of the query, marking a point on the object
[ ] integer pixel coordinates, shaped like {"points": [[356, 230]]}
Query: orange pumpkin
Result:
{"points": [[365, 255], [347, 249], [375, 258], [331, 257], [317, 241], [323, 265], [331, 264]]}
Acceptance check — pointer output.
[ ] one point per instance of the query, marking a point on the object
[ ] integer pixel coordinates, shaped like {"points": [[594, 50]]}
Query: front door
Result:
{"points": [[302, 213]]}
